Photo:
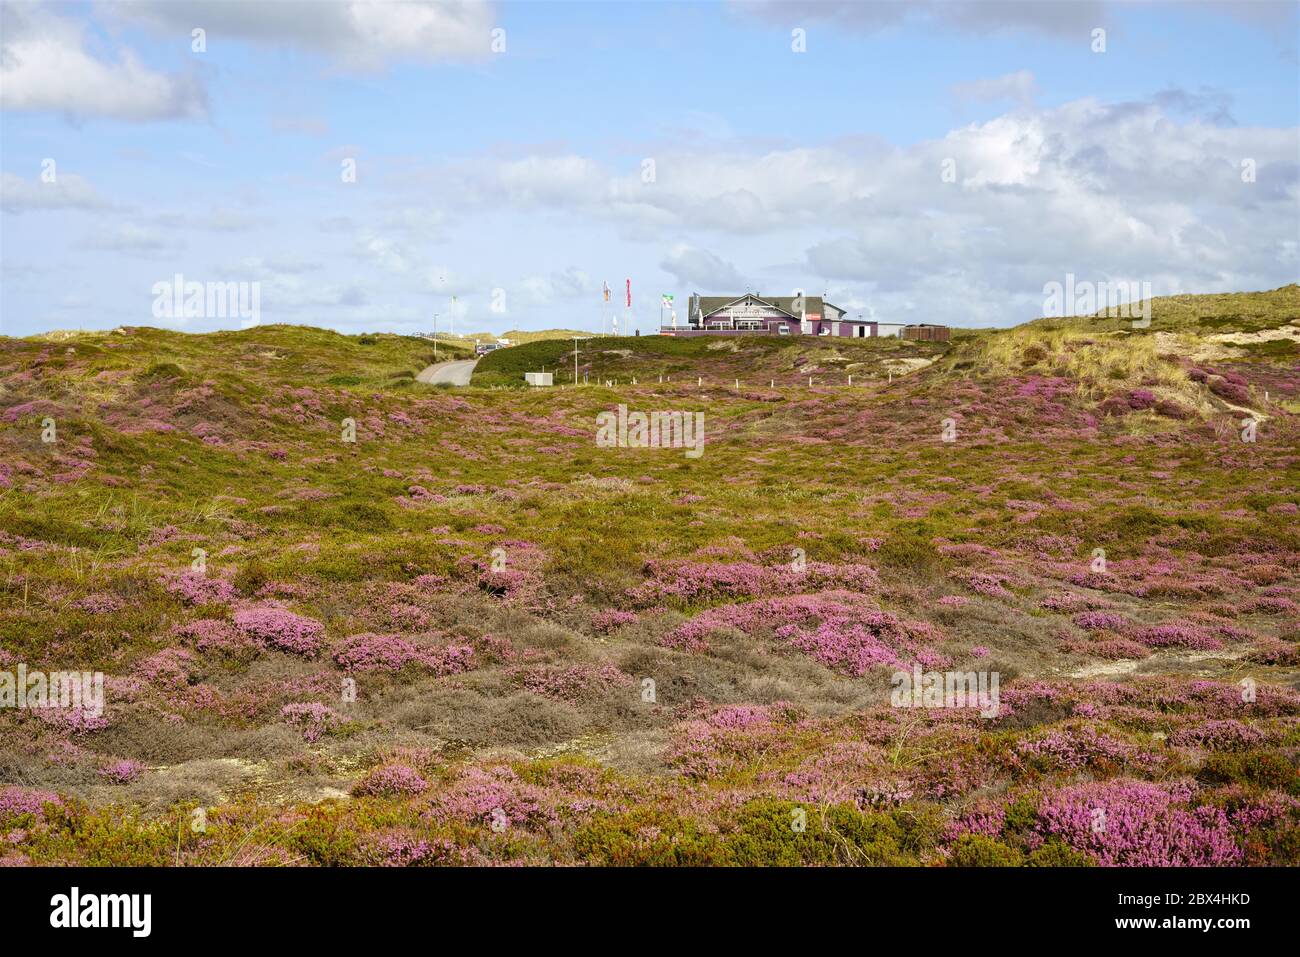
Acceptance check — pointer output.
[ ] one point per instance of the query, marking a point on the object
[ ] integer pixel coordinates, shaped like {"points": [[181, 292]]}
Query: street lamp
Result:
{"points": [[576, 340], [435, 337]]}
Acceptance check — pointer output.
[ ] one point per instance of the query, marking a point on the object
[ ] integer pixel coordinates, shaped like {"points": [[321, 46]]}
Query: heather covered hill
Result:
{"points": [[475, 635], [286, 354]]}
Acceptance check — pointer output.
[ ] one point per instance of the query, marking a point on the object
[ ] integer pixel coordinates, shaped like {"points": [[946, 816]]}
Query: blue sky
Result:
{"points": [[517, 180]]}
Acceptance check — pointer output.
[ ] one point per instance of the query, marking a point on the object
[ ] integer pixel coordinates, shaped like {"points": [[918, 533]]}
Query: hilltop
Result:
{"points": [[757, 360], [522, 336]]}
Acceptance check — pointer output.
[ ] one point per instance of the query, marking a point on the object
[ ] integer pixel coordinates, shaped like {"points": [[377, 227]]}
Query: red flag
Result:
{"points": [[629, 293]]}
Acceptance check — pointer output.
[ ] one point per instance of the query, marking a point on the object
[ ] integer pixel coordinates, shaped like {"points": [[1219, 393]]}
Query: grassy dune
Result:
{"points": [[473, 635], [756, 360]]}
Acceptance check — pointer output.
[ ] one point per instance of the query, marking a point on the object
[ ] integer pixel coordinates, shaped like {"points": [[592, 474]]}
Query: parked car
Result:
{"points": [[483, 348]]}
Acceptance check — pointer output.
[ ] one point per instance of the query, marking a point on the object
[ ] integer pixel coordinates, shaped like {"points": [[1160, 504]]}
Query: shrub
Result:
{"points": [[1262, 769], [122, 772], [1220, 735], [765, 835], [199, 589], [20, 802], [1139, 824], [1057, 853], [1230, 391], [976, 850], [283, 630], [645, 837], [1101, 621], [312, 718], [389, 780]]}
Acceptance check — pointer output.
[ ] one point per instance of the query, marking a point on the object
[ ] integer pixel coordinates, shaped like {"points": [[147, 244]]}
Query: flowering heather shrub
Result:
{"points": [[18, 801], [1274, 605], [390, 780], [282, 630], [122, 772], [1248, 809], [432, 583], [1139, 399], [1231, 391], [311, 718], [1154, 696], [742, 716], [490, 649], [1070, 749], [1218, 735], [516, 582], [979, 651], [692, 581], [953, 601], [214, 635], [569, 684], [983, 583], [71, 721], [984, 818], [1175, 635], [372, 652], [1173, 410], [1144, 825], [603, 622], [477, 792], [199, 589], [170, 669], [1064, 601], [409, 617], [709, 746], [404, 848], [853, 646], [1276, 653], [99, 604], [449, 659], [1101, 621], [842, 630]]}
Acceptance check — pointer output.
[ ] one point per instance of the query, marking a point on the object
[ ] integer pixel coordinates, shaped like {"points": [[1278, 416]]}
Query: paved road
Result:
{"points": [[450, 373]]}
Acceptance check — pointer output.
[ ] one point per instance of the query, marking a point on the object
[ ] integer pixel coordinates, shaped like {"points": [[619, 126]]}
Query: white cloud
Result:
{"points": [[386, 253], [130, 237], [363, 35], [701, 270], [569, 285], [1019, 87], [45, 65], [68, 191], [1146, 190], [1071, 19]]}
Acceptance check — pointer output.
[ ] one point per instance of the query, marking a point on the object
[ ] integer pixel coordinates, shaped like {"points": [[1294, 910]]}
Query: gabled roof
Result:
{"points": [[786, 304]]}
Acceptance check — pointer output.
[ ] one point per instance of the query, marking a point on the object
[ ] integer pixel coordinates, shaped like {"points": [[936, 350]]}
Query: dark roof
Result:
{"points": [[813, 304]]}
